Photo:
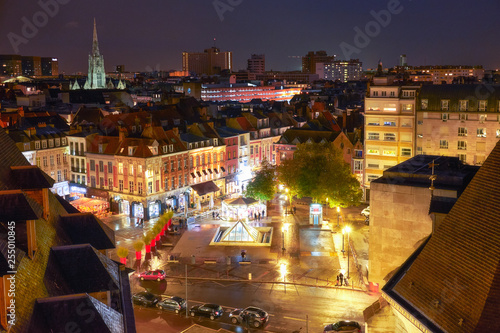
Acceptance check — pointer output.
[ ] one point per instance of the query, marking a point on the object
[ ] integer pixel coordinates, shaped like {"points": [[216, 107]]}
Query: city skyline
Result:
{"points": [[153, 37]]}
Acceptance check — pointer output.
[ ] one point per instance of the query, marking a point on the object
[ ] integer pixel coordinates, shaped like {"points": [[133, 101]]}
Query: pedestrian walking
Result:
{"points": [[338, 278], [259, 216], [255, 216], [294, 210], [263, 214], [213, 215], [341, 278]]}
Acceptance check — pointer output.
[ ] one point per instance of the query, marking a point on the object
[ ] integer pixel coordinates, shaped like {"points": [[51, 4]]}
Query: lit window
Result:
{"points": [[445, 104], [389, 153], [373, 136], [481, 132], [405, 151], [443, 144], [462, 131], [482, 105], [424, 104], [463, 105], [462, 145], [389, 137]]}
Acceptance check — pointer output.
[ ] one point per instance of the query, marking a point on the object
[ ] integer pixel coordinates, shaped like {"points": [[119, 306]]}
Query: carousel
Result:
{"points": [[243, 209]]}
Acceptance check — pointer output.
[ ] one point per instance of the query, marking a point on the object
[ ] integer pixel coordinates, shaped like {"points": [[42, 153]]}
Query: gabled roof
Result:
{"points": [[454, 283], [31, 177], [53, 314], [10, 156], [88, 115], [84, 228], [295, 135], [75, 269], [15, 205]]}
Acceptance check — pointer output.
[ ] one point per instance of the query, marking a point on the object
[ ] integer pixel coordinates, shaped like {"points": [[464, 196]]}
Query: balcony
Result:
{"points": [[80, 170]]}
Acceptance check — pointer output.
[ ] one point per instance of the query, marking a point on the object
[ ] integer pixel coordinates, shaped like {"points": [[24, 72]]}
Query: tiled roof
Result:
{"points": [[295, 135], [10, 155], [88, 115], [31, 177], [455, 92], [84, 228], [454, 283]]}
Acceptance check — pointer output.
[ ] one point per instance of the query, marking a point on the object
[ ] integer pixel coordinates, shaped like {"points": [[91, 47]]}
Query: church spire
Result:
{"points": [[95, 43]]}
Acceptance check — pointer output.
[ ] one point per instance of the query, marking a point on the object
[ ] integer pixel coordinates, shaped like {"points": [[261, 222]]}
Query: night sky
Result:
{"points": [[152, 34]]}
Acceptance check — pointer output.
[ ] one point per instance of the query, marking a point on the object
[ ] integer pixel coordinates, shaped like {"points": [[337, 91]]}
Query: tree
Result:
{"points": [[263, 186], [319, 171]]}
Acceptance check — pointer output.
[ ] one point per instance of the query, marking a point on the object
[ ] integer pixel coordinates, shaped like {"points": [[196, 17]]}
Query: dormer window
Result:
{"points": [[44, 144], [134, 129], [58, 142], [63, 141], [100, 148], [202, 144], [196, 145], [37, 144], [51, 143], [190, 146], [165, 150], [131, 151], [170, 148]]}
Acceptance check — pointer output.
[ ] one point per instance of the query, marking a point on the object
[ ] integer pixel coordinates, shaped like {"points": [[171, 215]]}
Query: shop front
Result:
{"points": [[154, 209], [243, 209], [124, 207], [77, 191], [137, 210]]}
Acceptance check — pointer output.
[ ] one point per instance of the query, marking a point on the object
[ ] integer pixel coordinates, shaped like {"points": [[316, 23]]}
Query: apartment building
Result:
{"points": [[389, 127], [458, 120]]}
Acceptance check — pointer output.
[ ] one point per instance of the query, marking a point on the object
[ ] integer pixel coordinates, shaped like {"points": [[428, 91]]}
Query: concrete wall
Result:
{"points": [[399, 220]]}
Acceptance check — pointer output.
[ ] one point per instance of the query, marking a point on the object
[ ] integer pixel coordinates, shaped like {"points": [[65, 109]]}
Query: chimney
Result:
{"points": [[121, 133]]}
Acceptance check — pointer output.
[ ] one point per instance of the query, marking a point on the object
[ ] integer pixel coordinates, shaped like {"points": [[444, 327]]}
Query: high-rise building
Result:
{"points": [[31, 66], [10, 64], [50, 66], [402, 60], [16, 65], [311, 58], [211, 61], [343, 70], [96, 78], [257, 64]]}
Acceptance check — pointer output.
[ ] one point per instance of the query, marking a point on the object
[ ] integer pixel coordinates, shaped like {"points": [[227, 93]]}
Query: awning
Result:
{"points": [[198, 173], [223, 170], [193, 175], [210, 170], [216, 171], [204, 172], [204, 188]]}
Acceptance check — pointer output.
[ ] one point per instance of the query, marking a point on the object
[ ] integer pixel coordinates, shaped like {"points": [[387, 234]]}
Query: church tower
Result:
{"points": [[96, 78]]}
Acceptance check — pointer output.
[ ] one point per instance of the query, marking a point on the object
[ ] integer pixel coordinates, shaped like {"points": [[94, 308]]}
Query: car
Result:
{"points": [[176, 304], [211, 311], [344, 326], [157, 275], [366, 212], [145, 298], [251, 315]]}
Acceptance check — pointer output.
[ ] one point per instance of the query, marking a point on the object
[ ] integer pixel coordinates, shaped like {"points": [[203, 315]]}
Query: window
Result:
{"points": [[464, 116], [215, 157], [405, 152], [482, 118], [483, 105], [407, 107], [172, 184], [498, 135], [393, 94], [373, 136], [101, 166], [197, 160], [373, 151], [65, 158], [445, 116], [389, 123], [373, 166], [51, 143], [131, 170], [481, 132], [445, 105], [59, 176], [462, 145], [37, 144], [443, 144], [131, 186], [139, 169], [384, 93], [150, 187], [120, 168], [70, 147], [389, 137], [120, 185], [51, 160], [110, 183], [358, 153], [222, 156], [44, 144], [424, 104], [462, 157], [139, 188], [65, 174], [373, 122], [358, 166], [371, 177], [179, 164], [58, 159], [406, 123], [100, 148], [375, 94], [463, 105], [462, 131], [172, 165], [251, 150], [180, 181], [388, 152], [203, 159], [170, 148], [110, 167], [38, 158], [63, 142], [130, 151], [92, 165]]}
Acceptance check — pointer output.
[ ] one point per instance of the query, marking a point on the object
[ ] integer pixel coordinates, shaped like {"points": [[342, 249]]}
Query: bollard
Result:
{"points": [[193, 259], [249, 276], [228, 260]]}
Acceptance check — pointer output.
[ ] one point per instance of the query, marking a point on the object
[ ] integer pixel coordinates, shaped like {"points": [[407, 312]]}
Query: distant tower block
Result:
{"points": [[402, 60]]}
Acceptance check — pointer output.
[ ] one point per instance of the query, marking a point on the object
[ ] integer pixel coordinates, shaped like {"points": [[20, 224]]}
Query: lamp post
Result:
{"points": [[343, 232], [283, 229], [348, 231], [338, 216]]}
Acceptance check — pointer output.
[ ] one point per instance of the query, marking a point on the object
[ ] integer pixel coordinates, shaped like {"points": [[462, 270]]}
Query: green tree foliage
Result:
{"points": [[319, 171], [263, 185]]}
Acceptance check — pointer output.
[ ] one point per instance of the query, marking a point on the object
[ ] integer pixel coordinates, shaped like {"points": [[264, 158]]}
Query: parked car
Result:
{"points": [[251, 315], [343, 326], [366, 212], [145, 298], [174, 303], [153, 275], [211, 311]]}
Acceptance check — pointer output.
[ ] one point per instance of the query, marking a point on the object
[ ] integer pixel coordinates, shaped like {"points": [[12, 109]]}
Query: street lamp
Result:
{"points": [[343, 232], [348, 231], [338, 216], [283, 229]]}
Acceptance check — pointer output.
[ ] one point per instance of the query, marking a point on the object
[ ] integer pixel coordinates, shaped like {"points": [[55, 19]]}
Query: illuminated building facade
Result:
{"points": [[389, 127], [343, 70], [211, 61], [246, 92]]}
